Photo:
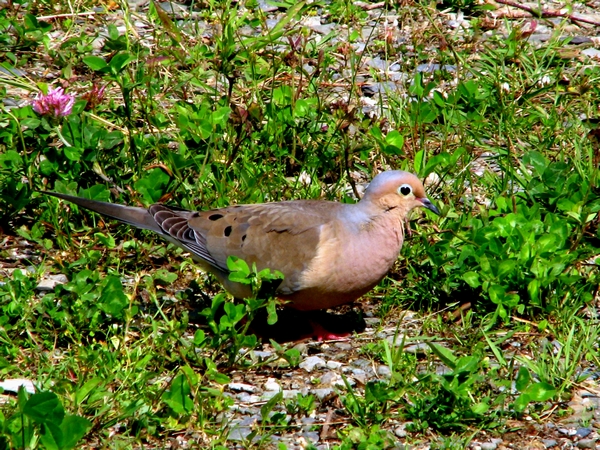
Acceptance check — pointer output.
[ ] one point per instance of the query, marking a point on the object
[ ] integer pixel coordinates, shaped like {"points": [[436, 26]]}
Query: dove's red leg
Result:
{"points": [[320, 333], [293, 325]]}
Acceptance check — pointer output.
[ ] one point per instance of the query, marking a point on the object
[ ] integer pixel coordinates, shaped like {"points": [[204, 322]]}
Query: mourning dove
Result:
{"points": [[330, 253]]}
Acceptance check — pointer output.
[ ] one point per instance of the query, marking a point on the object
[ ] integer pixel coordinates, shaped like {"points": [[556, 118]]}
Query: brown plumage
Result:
{"points": [[330, 253]]}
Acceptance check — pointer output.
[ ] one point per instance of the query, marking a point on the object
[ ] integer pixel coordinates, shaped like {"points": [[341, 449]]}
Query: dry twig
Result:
{"points": [[543, 13]]}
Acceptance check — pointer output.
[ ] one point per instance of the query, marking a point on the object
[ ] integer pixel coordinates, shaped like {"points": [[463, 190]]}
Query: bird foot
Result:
{"points": [[320, 333], [293, 326]]}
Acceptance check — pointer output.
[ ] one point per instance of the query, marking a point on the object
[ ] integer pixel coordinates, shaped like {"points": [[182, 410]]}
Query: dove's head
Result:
{"points": [[396, 189]]}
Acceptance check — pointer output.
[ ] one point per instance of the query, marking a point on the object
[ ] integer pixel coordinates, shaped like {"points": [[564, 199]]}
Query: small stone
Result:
{"points": [[583, 432], [330, 378], [311, 22], [290, 394], [586, 443], [241, 430], [279, 362], [324, 29], [272, 23], [242, 387], [359, 375], [417, 349], [489, 446], [372, 321], [396, 340], [308, 422], [401, 431], [173, 8], [334, 365], [311, 436], [578, 40], [312, 362], [384, 372], [432, 67], [263, 354], [13, 385], [244, 397], [272, 385], [343, 346], [362, 363], [239, 434], [51, 281], [268, 395], [567, 431], [266, 7], [323, 393], [549, 443], [591, 53]]}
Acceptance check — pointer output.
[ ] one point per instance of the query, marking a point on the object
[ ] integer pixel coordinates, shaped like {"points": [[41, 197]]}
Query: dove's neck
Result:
{"points": [[374, 225]]}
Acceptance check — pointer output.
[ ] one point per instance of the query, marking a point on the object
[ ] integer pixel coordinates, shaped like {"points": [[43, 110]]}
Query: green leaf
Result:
{"points": [[395, 139], [272, 312], [73, 153], [418, 161], [113, 32], [521, 403], [546, 244], [51, 436], [533, 289], [44, 407], [444, 354], [537, 161], [472, 279], [107, 241], [119, 61], [292, 356], [236, 264], [190, 375], [268, 407], [152, 185], [95, 63], [73, 429], [199, 337], [499, 296], [496, 350], [506, 267], [10, 159], [376, 133], [113, 300], [221, 116], [466, 364], [540, 392], [480, 408], [164, 276], [392, 150], [240, 272], [523, 379], [234, 313], [178, 396], [86, 389], [290, 15]]}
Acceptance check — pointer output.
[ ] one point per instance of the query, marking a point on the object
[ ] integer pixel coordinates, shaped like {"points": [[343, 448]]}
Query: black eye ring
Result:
{"points": [[405, 189]]}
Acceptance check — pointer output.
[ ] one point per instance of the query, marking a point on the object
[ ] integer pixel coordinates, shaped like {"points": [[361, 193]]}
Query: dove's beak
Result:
{"points": [[430, 206]]}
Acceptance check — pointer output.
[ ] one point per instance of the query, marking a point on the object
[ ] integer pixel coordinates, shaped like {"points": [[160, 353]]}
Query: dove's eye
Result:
{"points": [[405, 189]]}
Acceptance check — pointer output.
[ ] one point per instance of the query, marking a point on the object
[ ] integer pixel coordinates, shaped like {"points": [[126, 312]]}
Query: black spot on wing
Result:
{"points": [[227, 230], [215, 216], [175, 226]]}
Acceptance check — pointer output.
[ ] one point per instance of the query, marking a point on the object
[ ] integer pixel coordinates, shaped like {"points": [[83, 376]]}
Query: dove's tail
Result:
{"points": [[138, 217]]}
